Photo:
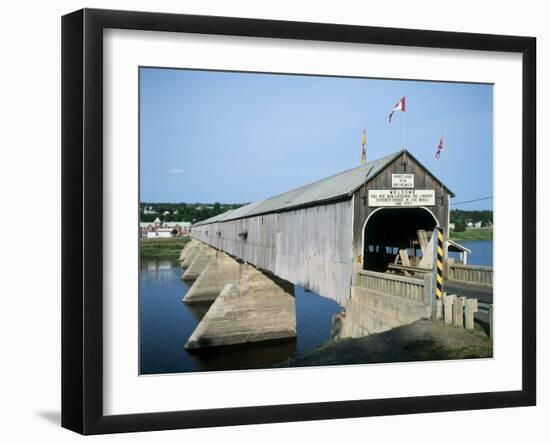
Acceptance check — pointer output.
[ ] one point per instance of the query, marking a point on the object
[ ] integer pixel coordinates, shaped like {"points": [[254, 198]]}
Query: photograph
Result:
{"points": [[290, 220]]}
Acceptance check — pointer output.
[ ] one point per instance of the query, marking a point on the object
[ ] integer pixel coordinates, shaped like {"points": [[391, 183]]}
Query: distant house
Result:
{"points": [[160, 229], [183, 228], [160, 233], [451, 226], [477, 224], [144, 228], [149, 210]]}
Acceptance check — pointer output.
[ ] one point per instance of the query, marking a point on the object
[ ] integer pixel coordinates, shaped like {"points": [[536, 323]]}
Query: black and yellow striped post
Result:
{"points": [[439, 265], [437, 273]]}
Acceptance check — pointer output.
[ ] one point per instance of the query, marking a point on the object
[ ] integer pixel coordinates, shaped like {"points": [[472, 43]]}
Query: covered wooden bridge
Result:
{"points": [[318, 236], [363, 238]]}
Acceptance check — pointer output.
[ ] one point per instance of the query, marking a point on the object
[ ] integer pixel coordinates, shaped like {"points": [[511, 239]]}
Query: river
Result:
{"points": [[166, 323]]}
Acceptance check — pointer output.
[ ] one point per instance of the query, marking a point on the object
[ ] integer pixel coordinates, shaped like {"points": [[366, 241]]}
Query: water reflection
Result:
{"points": [[198, 310], [246, 356], [154, 266], [166, 324]]}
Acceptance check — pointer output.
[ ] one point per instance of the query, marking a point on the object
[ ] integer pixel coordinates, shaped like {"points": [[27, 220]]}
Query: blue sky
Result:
{"points": [[239, 137]]}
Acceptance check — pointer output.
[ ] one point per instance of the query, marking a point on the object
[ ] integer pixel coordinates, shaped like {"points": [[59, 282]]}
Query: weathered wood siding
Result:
{"points": [[422, 180], [310, 247]]}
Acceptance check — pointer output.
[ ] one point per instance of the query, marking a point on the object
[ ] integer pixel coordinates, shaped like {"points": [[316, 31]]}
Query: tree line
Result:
{"points": [[461, 218], [183, 212], [195, 212]]}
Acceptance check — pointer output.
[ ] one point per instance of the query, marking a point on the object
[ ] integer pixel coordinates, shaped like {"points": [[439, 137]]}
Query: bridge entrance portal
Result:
{"points": [[388, 231]]}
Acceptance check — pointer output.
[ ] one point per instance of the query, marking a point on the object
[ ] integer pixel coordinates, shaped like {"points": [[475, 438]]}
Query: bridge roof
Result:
{"points": [[331, 188]]}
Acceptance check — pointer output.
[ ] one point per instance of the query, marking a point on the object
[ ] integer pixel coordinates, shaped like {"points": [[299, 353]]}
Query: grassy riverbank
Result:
{"points": [[473, 234], [161, 247], [420, 341]]}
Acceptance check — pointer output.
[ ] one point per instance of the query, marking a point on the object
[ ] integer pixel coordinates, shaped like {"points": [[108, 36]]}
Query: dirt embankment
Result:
{"points": [[419, 341]]}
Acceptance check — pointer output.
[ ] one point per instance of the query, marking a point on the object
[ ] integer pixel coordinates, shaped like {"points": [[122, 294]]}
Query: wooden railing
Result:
{"points": [[411, 288], [480, 275]]}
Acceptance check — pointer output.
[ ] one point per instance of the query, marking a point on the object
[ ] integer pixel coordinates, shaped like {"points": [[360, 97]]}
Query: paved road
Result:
{"points": [[482, 294]]}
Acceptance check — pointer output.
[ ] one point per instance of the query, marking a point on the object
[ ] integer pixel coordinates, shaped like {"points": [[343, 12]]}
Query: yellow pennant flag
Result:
{"points": [[363, 151]]}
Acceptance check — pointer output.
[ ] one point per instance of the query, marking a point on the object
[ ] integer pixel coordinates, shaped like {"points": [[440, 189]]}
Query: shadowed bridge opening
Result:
{"points": [[389, 230]]}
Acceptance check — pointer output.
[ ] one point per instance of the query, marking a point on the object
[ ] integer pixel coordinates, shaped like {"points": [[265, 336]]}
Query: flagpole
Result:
{"points": [[442, 178], [404, 130], [443, 162]]}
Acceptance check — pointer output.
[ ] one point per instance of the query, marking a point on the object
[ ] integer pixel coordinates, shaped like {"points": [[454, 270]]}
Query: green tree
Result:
{"points": [[460, 225]]}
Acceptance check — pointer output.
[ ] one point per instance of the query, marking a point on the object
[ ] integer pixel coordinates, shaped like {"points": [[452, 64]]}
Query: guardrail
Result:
{"points": [[481, 275], [411, 288]]}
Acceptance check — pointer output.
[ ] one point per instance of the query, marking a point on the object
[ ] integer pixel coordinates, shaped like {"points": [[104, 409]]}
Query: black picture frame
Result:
{"points": [[82, 215]]}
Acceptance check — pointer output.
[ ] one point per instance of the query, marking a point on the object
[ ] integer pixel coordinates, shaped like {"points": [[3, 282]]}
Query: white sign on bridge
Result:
{"points": [[401, 197], [402, 180]]}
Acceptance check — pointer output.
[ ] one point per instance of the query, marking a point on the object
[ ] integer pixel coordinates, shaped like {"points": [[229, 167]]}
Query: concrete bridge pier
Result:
{"points": [[258, 307], [203, 256], [190, 253], [220, 271], [188, 246]]}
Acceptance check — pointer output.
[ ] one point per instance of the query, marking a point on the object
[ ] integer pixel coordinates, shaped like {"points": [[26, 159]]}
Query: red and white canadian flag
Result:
{"points": [[399, 106]]}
